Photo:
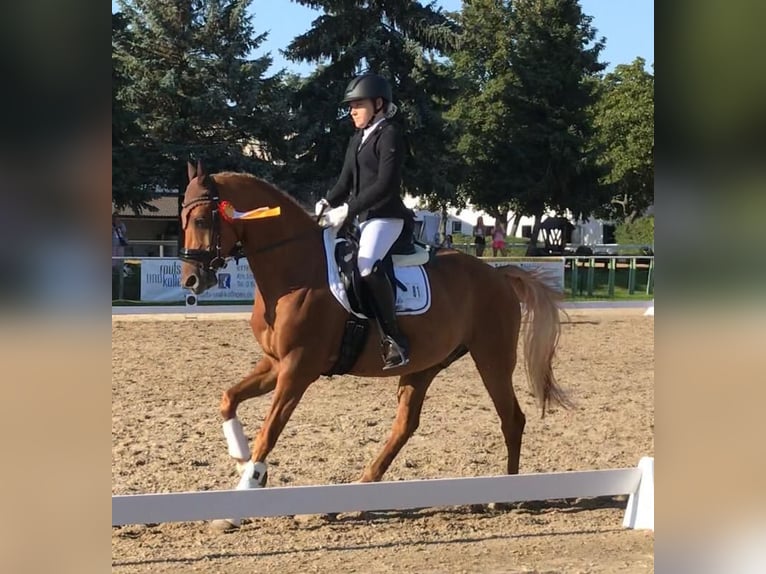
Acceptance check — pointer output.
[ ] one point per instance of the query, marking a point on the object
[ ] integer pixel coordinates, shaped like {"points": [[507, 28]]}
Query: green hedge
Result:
{"points": [[639, 232]]}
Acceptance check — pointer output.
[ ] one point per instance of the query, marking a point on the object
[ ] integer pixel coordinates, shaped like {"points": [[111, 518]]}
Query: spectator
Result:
{"points": [[479, 239], [119, 240], [498, 240]]}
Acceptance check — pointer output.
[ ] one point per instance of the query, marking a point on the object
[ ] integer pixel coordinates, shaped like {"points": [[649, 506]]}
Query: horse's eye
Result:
{"points": [[201, 223]]}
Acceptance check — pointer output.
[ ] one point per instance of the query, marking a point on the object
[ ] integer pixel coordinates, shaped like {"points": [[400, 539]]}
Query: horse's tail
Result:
{"points": [[541, 333]]}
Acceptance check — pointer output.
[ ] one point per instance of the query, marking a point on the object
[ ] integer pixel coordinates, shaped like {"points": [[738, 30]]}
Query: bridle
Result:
{"points": [[212, 258]]}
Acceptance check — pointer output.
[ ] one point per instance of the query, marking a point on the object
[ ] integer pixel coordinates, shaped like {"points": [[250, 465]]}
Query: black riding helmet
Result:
{"points": [[368, 86]]}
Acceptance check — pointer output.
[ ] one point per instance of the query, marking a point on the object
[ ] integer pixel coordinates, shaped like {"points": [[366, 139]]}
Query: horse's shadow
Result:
{"points": [[346, 547], [470, 512], [571, 504], [481, 511]]}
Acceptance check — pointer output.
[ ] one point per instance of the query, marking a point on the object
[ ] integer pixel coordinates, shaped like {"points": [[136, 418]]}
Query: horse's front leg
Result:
{"points": [[290, 387], [261, 380]]}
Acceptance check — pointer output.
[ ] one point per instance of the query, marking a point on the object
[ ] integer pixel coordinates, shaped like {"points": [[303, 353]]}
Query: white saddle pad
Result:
{"points": [[414, 301]]}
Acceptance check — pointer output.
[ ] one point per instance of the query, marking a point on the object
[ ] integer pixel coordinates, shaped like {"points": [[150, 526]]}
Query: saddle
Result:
{"points": [[405, 252]]}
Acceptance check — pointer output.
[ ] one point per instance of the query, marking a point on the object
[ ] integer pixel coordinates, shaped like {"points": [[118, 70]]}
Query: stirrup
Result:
{"points": [[402, 362], [400, 358]]}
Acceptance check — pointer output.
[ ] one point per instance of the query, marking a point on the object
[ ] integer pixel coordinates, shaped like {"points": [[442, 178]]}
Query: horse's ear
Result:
{"points": [[200, 169], [191, 170]]}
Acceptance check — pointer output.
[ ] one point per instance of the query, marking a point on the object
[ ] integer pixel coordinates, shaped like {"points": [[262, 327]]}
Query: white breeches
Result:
{"points": [[376, 238]]}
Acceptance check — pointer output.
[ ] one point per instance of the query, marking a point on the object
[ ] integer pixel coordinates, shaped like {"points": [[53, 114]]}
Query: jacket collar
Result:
{"points": [[372, 130]]}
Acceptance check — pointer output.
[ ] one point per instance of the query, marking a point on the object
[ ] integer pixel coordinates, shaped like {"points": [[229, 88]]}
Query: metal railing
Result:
{"points": [[152, 248], [598, 249], [587, 266]]}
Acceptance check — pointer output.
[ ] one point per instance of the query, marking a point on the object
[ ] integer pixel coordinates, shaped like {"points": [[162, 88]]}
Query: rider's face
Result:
{"points": [[362, 112]]}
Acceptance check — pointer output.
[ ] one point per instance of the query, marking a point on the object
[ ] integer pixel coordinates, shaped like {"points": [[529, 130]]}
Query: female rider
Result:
{"points": [[369, 187]]}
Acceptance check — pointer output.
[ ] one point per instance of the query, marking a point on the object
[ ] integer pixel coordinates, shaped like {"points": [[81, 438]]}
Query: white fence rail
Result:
{"points": [[394, 495]]}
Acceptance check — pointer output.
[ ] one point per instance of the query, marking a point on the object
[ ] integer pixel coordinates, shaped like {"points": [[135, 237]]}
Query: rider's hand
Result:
{"points": [[335, 217], [322, 205]]}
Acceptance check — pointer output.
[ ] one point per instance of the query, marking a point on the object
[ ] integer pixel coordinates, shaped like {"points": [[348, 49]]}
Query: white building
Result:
{"points": [[593, 232]]}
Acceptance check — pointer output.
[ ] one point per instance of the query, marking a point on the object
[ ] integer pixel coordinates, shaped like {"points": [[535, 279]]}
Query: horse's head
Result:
{"points": [[207, 242]]}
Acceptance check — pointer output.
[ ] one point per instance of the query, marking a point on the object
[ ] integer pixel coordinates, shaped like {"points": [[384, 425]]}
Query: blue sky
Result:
{"points": [[627, 24]]}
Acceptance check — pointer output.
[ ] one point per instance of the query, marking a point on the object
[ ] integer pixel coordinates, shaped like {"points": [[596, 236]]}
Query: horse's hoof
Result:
{"points": [[225, 524]]}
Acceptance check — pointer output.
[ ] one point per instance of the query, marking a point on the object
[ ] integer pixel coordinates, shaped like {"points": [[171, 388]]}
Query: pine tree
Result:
{"points": [[193, 90], [129, 189], [399, 39]]}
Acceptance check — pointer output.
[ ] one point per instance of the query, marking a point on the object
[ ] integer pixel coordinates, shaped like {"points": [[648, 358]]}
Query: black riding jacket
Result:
{"points": [[371, 178]]}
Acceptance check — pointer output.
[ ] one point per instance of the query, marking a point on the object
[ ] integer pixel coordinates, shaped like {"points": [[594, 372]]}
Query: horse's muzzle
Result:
{"points": [[200, 280]]}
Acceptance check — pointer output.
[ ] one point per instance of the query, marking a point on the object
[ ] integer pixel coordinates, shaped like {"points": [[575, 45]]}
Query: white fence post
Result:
{"points": [[640, 511]]}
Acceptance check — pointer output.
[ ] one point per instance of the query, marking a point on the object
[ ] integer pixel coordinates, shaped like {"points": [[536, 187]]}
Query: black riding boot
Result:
{"points": [[395, 344]]}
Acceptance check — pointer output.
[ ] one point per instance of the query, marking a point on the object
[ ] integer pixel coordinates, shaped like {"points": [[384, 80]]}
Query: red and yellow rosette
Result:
{"points": [[228, 212]]}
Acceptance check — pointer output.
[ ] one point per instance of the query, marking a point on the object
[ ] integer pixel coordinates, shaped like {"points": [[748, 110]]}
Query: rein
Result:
{"points": [[212, 258], [282, 242]]}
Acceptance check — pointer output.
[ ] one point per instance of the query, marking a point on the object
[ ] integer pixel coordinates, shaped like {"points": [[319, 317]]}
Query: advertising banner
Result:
{"points": [[161, 282], [161, 278]]}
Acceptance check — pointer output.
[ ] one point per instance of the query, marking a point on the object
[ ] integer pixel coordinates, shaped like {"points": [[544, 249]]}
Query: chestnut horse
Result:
{"points": [[475, 308]]}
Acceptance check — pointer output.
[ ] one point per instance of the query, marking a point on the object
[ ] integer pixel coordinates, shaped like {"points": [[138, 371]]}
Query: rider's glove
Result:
{"points": [[335, 217], [322, 205]]}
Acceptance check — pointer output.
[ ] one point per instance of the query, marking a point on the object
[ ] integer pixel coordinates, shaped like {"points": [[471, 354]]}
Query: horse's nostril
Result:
{"points": [[191, 282]]}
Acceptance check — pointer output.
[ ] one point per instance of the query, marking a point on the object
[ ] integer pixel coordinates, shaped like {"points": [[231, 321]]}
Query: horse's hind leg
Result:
{"points": [[495, 358], [411, 394]]}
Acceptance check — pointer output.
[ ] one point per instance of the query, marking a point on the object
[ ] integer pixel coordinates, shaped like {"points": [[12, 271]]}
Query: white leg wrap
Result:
{"points": [[253, 476], [236, 439]]}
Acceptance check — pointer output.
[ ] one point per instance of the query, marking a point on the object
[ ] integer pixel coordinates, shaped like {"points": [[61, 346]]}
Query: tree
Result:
{"points": [[129, 189], [624, 121], [397, 39], [482, 113], [192, 91], [554, 57]]}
